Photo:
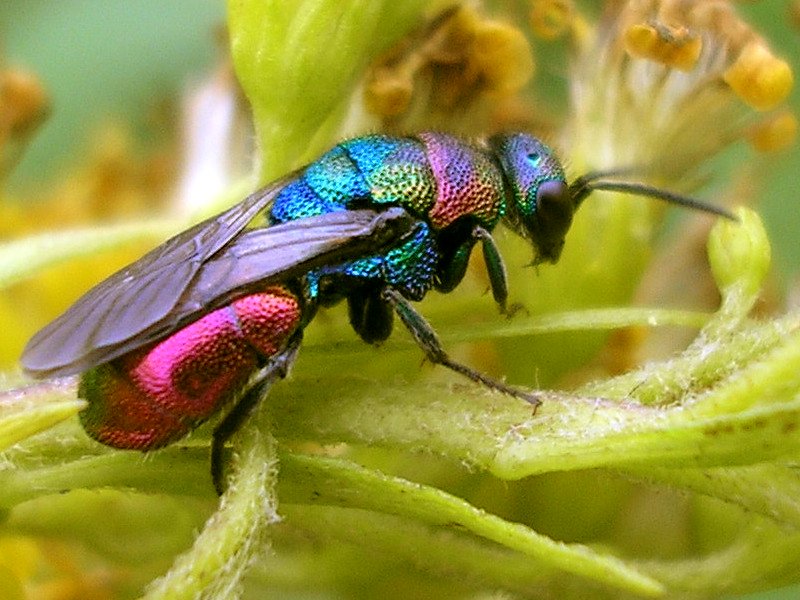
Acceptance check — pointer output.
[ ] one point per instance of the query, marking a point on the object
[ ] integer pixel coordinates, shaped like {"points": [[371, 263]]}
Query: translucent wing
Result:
{"points": [[198, 270], [141, 294]]}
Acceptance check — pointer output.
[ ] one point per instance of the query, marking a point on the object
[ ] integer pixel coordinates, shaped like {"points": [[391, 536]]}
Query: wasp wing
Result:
{"points": [[259, 257], [170, 284], [292, 249], [141, 294]]}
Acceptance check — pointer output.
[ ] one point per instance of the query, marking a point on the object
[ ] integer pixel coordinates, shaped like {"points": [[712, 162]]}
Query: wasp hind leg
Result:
{"points": [[277, 368], [430, 344]]}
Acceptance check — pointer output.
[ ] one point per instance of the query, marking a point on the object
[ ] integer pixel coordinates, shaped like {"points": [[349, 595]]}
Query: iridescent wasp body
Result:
{"points": [[378, 220]]}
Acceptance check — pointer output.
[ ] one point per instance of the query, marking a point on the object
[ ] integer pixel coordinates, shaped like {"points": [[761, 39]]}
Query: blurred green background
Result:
{"points": [[104, 60]]}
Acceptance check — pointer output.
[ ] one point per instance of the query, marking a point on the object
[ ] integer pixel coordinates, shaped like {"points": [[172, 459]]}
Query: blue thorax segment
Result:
{"points": [[379, 170], [337, 180], [298, 201], [328, 184], [372, 170], [409, 268], [397, 171]]}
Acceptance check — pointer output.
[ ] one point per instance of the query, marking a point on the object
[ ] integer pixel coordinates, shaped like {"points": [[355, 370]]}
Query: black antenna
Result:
{"points": [[586, 184]]}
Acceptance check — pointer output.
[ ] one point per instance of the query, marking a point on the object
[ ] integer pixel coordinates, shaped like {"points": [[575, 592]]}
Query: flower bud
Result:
{"points": [[739, 252]]}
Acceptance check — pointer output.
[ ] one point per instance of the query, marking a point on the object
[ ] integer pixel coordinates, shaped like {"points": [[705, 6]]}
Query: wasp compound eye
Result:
{"points": [[552, 218], [554, 206]]}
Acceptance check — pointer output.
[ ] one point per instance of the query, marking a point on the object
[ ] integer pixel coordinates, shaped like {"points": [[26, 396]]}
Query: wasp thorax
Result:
{"points": [[539, 205]]}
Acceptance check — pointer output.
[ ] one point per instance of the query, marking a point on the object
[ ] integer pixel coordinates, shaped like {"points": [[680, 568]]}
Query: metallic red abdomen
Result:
{"points": [[153, 396]]}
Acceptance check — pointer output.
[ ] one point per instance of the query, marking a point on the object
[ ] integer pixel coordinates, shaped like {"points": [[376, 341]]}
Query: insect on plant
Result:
{"points": [[213, 316]]}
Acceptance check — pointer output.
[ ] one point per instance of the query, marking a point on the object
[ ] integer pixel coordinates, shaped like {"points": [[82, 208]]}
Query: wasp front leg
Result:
{"points": [[452, 271], [495, 267]]}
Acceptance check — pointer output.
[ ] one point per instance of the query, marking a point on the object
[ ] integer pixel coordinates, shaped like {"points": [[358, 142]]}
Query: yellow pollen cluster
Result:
{"points": [[759, 78], [674, 32], [777, 132], [500, 57], [388, 93], [23, 107], [461, 53], [675, 47], [677, 81], [23, 103], [550, 19]]}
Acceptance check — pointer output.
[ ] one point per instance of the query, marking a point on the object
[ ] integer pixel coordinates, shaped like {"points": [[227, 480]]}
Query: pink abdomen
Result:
{"points": [[155, 395]]}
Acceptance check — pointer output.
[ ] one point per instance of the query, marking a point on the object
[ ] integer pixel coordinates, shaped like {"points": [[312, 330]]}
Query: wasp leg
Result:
{"points": [[495, 267], [370, 316], [277, 368], [452, 271], [430, 344]]}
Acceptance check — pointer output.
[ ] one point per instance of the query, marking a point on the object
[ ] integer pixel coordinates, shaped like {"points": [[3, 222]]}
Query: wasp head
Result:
{"points": [[539, 205]]}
